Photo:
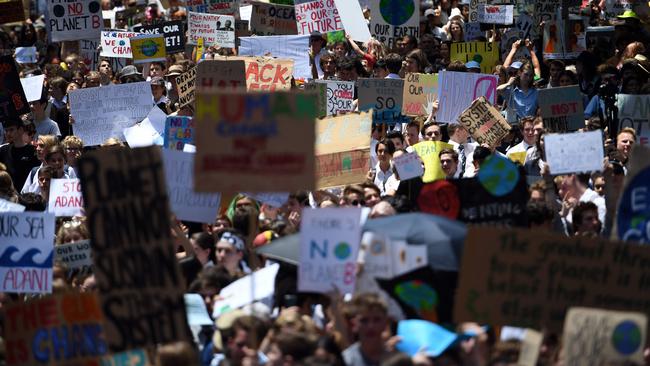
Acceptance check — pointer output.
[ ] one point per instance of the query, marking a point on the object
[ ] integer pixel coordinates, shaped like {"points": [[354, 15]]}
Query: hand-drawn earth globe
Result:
{"points": [[149, 48], [626, 337], [395, 12]]}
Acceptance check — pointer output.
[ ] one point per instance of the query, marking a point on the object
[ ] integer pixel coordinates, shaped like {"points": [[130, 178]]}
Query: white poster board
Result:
{"points": [[408, 166], [73, 20], [116, 43], [215, 29], [294, 47], [459, 89], [65, 198], [353, 20], [33, 87], [76, 255], [340, 96], [574, 152]]}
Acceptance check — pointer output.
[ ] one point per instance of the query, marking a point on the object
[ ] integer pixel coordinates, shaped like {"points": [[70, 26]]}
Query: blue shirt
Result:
{"points": [[525, 102]]}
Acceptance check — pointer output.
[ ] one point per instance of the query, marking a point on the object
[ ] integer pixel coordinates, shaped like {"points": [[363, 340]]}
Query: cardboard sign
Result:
{"points": [[148, 48], [273, 19], [26, 242], [75, 255], [13, 102], [529, 278], [226, 7], [459, 89], [340, 96], [66, 328], [634, 111], [104, 112], [408, 166], [603, 337], [393, 19], [633, 215], [65, 198], [26, 55], [186, 83], [495, 14], [428, 152], [116, 43], [261, 74], [8, 206], [329, 242], [574, 152], [215, 29], [254, 142], [179, 130], [562, 108], [353, 20], [485, 53], [129, 228], [384, 97], [420, 91], [295, 48], [73, 20], [484, 123], [343, 149], [33, 87], [531, 344], [317, 16], [185, 202], [11, 11], [222, 74], [172, 31]]}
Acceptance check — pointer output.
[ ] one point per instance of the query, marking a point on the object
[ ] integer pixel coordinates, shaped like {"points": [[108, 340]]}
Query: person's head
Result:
{"points": [[599, 183], [316, 42], [382, 209], [14, 130], [555, 68], [371, 194], [527, 128], [158, 88], [353, 195], [526, 76], [456, 31], [43, 144], [625, 140], [204, 248], [328, 65], [449, 162], [538, 127], [105, 67], [481, 153], [457, 66], [393, 63], [567, 78], [57, 87], [72, 231], [397, 138], [346, 69], [585, 219], [290, 348], [55, 158], [412, 133], [73, 147], [457, 133], [540, 215], [230, 250], [385, 150], [92, 79], [431, 131], [370, 317], [45, 175], [379, 69], [38, 106], [245, 334], [175, 353], [157, 69], [430, 45], [341, 49], [210, 281]]}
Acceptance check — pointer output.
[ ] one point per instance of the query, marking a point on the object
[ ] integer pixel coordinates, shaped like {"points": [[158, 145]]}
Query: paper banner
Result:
{"points": [[295, 48], [116, 43], [353, 20], [33, 87], [65, 198], [408, 166], [634, 111], [495, 14], [340, 96], [8, 206], [261, 74], [76, 255], [73, 20], [26, 55], [633, 214], [221, 74], [317, 16]]}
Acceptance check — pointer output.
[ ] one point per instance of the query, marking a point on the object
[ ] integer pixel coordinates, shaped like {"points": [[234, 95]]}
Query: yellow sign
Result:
{"points": [[518, 157], [485, 53], [148, 48], [429, 152], [200, 48]]}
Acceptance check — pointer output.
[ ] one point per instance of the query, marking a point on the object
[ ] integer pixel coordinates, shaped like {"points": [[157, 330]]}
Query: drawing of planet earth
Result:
{"points": [[395, 12]]}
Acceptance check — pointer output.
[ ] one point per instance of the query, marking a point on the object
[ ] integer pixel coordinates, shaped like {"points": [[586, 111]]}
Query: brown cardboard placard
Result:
{"points": [[186, 84], [221, 74], [420, 91], [140, 283], [484, 122], [266, 73]]}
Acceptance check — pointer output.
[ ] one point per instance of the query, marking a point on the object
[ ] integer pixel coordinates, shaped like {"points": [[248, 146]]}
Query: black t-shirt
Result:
{"points": [[19, 162]]}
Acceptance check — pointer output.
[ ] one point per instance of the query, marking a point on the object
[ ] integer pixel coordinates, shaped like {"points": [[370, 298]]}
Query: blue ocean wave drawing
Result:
{"points": [[26, 260]]}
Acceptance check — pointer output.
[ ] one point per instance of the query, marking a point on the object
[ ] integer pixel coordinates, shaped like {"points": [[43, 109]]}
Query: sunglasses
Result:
{"points": [[358, 203]]}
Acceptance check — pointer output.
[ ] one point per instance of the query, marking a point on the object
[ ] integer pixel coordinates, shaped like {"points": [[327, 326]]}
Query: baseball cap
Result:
{"points": [[429, 12], [473, 65]]}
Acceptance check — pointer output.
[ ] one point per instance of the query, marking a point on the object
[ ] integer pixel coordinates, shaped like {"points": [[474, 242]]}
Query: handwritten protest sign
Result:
{"points": [[392, 19], [239, 293], [12, 99], [634, 111], [172, 31], [261, 74], [384, 97], [26, 55], [11, 11], [273, 199], [65, 198], [420, 91], [186, 86], [8, 206], [321, 95], [254, 142], [88, 53], [148, 48], [129, 228], [76, 255], [546, 10], [561, 108], [185, 202], [295, 48], [227, 7], [529, 278], [459, 89], [66, 328], [273, 19], [408, 166], [221, 74], [26, 242], [428, 152], [353, 20], [633, 215], [329, 242], [116, 43], [614, 8], [215, 29], [317, 16], [179, 130], [495, 14], [603, 337], [574, 152], [33, 87], [343, 149], [73, 20], [484, 123], [485, 53], [340, 95], [104, 112]]}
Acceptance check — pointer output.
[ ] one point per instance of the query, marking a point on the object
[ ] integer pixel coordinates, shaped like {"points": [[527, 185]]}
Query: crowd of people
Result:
{"points": [[295, 328]]}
